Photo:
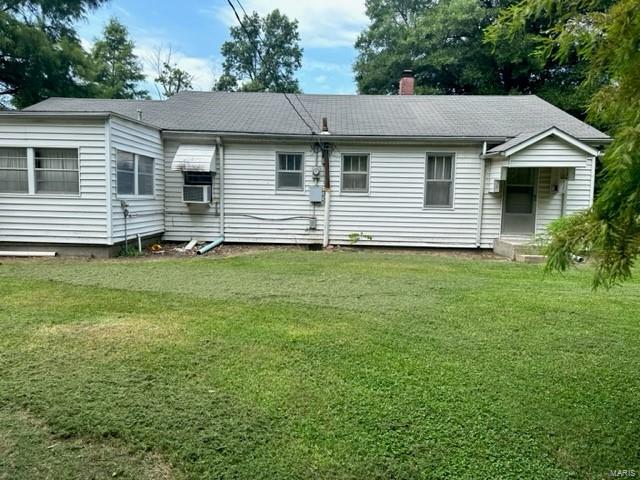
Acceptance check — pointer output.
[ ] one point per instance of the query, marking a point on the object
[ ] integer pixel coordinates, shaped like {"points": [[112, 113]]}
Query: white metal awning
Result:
{"points": [[195, 158]]}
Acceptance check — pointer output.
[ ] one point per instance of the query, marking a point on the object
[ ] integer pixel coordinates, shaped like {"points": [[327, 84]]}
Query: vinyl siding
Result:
{"points": [[492, 204], [148, 213], [548, 152], [552, 155], [393, 211], [72, 219], [250, 192], [185, 221]]}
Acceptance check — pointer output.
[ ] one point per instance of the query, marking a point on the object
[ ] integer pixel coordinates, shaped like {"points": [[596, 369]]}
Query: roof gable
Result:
{"points": [[525, 140]]}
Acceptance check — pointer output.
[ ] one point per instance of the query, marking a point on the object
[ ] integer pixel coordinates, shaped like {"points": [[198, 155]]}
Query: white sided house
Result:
{"points": [[406, 171]]}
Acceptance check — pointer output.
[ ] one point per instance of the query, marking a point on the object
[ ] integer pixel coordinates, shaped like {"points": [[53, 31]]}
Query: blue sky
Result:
{"points": [[195, 31]]}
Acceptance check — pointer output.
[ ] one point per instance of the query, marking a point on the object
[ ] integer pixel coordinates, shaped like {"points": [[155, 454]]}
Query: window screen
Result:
{"points": [[355, 173], [198, 178], [126, 170], [57, 170], [13, 170], [145, 175], [439, 181], [289, 172]]}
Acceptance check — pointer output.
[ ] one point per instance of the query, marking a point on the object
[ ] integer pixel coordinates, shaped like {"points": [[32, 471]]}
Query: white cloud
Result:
{"points": [[327, 23], [203, 69]]}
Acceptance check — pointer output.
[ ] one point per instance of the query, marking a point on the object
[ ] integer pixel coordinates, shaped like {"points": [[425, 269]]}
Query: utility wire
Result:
{"points": [[257, 50]]}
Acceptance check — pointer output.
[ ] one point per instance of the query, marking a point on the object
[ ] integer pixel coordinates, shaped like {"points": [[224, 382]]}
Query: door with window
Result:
{"points": [[519, 203]]}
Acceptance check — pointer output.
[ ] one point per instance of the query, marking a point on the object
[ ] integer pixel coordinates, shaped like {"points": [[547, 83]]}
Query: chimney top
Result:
{"points": [[407, 82]]}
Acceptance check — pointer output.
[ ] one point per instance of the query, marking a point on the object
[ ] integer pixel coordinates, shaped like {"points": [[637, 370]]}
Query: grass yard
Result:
{"points": [[297, 365]]}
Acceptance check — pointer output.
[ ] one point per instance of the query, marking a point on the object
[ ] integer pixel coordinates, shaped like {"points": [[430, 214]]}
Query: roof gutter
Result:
{"points": [[67, 114], [306, 137]]}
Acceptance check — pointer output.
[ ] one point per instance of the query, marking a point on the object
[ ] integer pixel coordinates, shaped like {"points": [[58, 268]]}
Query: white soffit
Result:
{"points": [[195, 158]]}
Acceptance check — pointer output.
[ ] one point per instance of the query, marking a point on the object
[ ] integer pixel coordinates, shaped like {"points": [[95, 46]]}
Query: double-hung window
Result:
{"points": [[290, 171], [439, 180], [56, 170], [14, 173], [355, 173], [134, 174]]}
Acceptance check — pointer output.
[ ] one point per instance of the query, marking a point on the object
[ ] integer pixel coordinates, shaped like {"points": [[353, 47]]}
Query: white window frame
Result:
{"points": [[35, 170], [342, 173], [136, 172], [26, 169], [31, 172], [450, 205], [280, 189]]}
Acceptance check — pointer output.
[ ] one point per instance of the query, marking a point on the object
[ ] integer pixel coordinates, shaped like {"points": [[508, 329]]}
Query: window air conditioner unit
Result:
{"points": [[196, 193]]}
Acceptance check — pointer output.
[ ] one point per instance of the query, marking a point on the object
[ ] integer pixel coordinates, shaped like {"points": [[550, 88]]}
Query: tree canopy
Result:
{"points": [[170, 79], [262, 55], [442, 41], [117, 70], [40, 53], [605, 34]]}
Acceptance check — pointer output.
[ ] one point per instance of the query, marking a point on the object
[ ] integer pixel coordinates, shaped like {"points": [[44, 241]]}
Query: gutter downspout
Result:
{"points": [[218, 241], [326, 158], [483, 164], [221, 202]]}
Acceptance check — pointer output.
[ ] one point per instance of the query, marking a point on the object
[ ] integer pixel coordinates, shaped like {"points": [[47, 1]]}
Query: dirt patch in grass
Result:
{"points": [[29, 449], [134, 331]]}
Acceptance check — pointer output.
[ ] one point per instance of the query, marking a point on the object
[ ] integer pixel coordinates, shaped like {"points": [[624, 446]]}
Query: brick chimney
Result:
{"points": [[407, 82]]}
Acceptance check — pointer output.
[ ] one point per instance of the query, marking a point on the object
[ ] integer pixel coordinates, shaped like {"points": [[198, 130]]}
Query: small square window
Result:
{"points": [[135, 174], [57, 170], [290, 171]]}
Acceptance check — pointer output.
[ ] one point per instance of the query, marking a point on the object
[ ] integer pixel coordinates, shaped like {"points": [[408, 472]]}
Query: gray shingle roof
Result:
{"points": [[517, 140], [348, 115]]}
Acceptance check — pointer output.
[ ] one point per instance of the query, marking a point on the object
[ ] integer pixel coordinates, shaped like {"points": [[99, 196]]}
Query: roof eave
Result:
{"points": [[70, 114]]}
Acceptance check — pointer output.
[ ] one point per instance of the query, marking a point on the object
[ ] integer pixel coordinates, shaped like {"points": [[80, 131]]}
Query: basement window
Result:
{"points": [[289, 171], [57, 170], [14, 174], [439, 181]]}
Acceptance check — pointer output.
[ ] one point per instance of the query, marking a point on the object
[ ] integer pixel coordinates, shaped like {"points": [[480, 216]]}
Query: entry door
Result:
{"points": [[519, 211]]}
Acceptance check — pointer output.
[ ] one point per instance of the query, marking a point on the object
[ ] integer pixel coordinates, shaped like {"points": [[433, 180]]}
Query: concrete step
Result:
{"points": [[518, 249]]}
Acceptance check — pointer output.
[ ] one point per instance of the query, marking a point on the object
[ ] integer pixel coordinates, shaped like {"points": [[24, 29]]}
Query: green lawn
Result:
{"points": [[297, 364]]}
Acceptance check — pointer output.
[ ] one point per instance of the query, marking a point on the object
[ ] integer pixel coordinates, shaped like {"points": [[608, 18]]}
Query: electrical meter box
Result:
{"points": [[315, 194]]}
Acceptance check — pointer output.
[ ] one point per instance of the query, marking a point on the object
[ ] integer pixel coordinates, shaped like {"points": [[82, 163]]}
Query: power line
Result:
{"points": [[257, 50], [308, 112]]}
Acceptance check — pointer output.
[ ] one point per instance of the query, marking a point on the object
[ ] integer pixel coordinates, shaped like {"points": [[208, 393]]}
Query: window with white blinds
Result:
{"points": [[56, 170], [14, 173], [439, 181]]}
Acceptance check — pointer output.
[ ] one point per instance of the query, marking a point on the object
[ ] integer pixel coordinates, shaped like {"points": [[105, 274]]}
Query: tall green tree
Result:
{"points": [[606, 35], [117, 70], [169, 79], [262, 56], [442, 41], [40, 53]]}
